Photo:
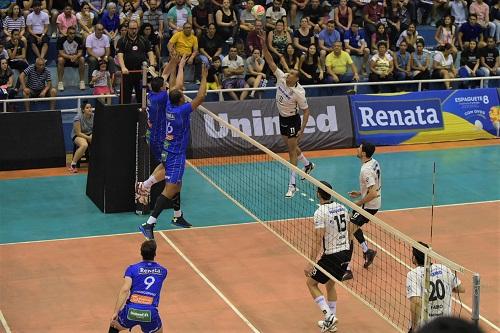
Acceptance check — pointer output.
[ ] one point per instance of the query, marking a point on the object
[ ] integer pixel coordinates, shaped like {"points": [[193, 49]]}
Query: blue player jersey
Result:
{"points": [[147, 279], [178, 127], [156, 107]]}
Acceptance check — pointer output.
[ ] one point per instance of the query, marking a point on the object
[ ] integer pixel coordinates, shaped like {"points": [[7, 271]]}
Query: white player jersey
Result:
{"points": [[442, 282], [370, 175], [289, 99], [334, 218]]}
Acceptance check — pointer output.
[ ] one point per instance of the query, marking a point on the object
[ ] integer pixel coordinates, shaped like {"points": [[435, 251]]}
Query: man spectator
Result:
{"points": [[470, 31], [111, 21], [490, 59], [336, 66], [16, 49], [482, 10], [327, 37], [210, 45], [98, 47], [36, 82], [233, 68], [253, 40], [315, 15], [65, 20], [372, 14], [178, 15], [184, 43], [132, 51], [247, 20], [202, 17], [274, 13], [355, 43], [70, 55], [154, 16], [56, 7], [38, 26]]}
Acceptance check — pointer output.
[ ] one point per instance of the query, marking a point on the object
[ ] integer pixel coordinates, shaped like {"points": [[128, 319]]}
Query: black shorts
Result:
{"points": [[290, 126], [68, 63], [359, 219], [35, 93], [33, 40], [335, 264]]}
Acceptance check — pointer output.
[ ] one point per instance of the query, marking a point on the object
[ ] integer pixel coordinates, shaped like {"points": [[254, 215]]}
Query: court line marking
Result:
{"points": [[4, 323], [233, 224], [210, 284]]}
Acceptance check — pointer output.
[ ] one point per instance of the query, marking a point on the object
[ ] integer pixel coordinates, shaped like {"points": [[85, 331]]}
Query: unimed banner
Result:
{"points": [[424, 117], [329, 126]]}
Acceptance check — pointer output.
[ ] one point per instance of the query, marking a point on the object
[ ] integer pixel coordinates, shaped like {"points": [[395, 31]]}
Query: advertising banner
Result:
{"points": [[424, 117], [329, 126]]}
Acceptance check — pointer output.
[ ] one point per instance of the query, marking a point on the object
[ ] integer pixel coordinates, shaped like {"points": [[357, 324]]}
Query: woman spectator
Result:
{"points": [[445, 34], [402, 69], [343, 17], [443, 67], [85, 20], [303, 36], [16, 49], [81, 133], [378, 36], [290, 60], [420, 62], [381, 66], [14, 20], [277, 40], [227, 22], [129, 13], [469, 64], [310, 68], [6, 81], [410, 36], [255, 71], [147, 32], [394, 22]]}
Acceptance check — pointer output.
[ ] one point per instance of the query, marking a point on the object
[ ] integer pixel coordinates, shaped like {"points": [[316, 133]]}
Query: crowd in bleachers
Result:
{"points": [[319, 38]]}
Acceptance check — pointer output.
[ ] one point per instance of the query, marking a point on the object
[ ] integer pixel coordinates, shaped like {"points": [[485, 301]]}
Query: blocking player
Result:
{"points": [[290, 96], [331, 222], [138, 299], [370, 183], [178, 131], [442, 283], [156, 102]]}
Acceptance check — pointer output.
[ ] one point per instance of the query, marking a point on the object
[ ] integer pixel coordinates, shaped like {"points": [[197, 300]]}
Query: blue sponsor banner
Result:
{"points": [[423, 117]]}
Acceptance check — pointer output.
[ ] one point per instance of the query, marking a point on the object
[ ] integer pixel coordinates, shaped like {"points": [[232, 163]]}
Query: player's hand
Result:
{"points": [[183, 60], [114, 317], [300, 134], [354, 194], [308, 270], [124, 71]]}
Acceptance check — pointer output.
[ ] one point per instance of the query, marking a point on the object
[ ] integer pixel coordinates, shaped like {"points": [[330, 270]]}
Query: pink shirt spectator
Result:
{"points": [[482, 11], [64, 22]]}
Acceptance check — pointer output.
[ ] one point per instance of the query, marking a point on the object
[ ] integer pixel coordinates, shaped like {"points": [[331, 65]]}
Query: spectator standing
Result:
{"points": [[327, 37], [70, 48], [98, 47], [277, 41], [303, 36], [14, 21], [372, 14], [255, 71], [233, 68], [36, 82], [355, 44], [490, 59], [227, 22], [337, 63], [38, 26], [381, 66], [85, 21], [16, 49], [470, 59], [311, 71], [178, 15], [420, 62], [443, 65], [132, 51], [110, 21], [65, 20]]}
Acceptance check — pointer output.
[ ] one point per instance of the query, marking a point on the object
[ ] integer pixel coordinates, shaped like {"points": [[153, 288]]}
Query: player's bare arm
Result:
{"points": [[200, 97], [179, 81], [370, 195], [122, 297], [459, 289], [305, 119], [415, 304], [354, 194], [267, 55], [316, 250]]}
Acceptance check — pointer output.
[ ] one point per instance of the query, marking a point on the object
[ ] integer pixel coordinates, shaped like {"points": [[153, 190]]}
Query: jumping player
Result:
{"points": [[331, 221], [290, 96], [442, 282], [370, 183], [178, 130], [137, 302]]}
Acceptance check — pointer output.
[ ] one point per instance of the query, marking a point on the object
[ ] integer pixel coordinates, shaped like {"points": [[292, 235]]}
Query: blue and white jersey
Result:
{"points": [[147, 280], [178, 127], [157, 103]]}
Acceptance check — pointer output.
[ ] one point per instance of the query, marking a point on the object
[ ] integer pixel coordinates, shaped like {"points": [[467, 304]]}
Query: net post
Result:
{"points": [[476, 293]]}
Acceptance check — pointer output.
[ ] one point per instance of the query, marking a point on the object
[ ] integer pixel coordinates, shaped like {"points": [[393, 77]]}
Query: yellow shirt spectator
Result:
{"points": [[338, 64], [184, 45]]}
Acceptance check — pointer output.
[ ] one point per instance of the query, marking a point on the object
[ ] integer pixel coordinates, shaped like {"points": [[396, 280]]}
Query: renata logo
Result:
{"points": [[149, 271], [265, 126], [398, 116]]}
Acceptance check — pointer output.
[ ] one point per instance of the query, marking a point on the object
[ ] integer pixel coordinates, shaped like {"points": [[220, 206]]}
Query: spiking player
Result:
{"points": [[290, 96], [137, 302], [370, 183], [178, 131], [442, 283], [157, 101], [331, 223]]}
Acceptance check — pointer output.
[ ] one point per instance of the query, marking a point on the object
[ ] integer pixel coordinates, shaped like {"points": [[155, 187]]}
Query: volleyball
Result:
{"points": [[258, 11]]}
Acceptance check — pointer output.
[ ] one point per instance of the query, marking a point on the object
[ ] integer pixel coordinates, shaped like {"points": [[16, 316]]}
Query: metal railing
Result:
{"points": [[78, 99]]}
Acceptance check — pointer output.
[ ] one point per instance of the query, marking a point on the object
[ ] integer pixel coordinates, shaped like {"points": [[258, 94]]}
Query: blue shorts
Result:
{"points": [[147, 318], [174, 167]]}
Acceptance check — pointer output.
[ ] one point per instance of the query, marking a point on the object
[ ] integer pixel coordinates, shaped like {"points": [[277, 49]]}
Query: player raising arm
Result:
{"points": [[174, 150], [290, 96]]}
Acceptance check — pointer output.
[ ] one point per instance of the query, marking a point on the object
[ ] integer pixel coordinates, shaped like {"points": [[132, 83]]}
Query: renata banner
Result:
{"points": [[329, 126], [424, 117]]}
